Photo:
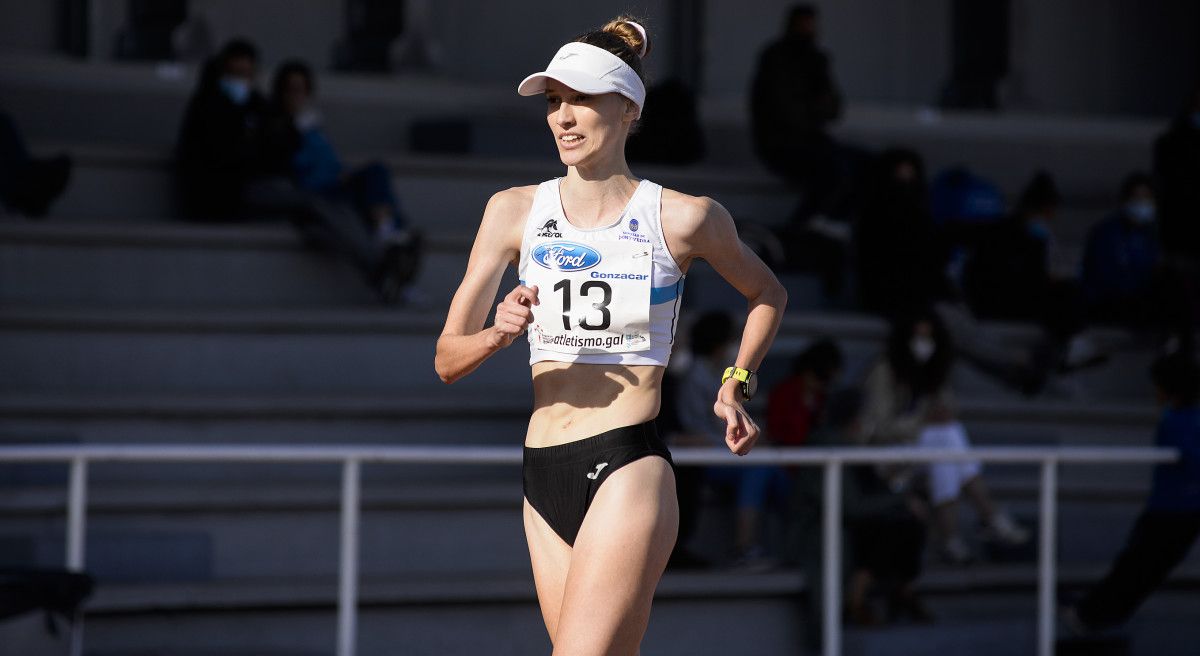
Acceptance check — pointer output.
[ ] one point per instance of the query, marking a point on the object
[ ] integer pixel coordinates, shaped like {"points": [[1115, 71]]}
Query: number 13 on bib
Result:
{"points": [[592, 298]]}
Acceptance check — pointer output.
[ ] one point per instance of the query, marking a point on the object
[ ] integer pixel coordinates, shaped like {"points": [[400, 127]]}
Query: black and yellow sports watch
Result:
{"points": [[748, 379]]}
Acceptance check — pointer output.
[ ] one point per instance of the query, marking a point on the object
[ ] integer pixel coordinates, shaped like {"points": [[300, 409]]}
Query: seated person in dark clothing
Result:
{"points": [[222, 147], [1018, 272], [1176, 169], [28, 184], [900, 258], [1122, 258], [235, 162], [1170, 522]]}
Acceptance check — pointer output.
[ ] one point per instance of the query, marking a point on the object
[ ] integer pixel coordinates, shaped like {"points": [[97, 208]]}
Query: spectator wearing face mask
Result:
{"points": [[315, 166], [908, 402], [235, 163], [1122, 257], [221, 148], [900, 260], [1019, 272]]}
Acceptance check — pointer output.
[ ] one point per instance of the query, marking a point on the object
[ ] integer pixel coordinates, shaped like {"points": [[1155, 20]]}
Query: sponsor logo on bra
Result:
{"points": [[565, 256]]}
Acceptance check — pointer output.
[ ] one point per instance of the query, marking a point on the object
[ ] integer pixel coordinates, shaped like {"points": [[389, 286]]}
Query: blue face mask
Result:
{"points": [[236, 89], [1140, 211]]}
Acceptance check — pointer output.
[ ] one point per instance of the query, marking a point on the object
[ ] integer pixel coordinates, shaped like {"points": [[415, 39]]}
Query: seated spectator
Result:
{"points": [[235, 163], [28, 184], [908, 401], [900, 259], [221, 147], [795, 404], [754, 487], [1122, 258], [1176, 168], [1018, 272], [885, 528], [316, 167], [1168, 526]]}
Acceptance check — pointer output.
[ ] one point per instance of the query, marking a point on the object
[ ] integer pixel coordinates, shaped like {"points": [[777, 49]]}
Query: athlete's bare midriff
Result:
{"points": [[572, 401]]}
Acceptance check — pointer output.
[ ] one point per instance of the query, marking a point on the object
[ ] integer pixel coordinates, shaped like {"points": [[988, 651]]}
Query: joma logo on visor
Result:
{"points": [[565, 256]]}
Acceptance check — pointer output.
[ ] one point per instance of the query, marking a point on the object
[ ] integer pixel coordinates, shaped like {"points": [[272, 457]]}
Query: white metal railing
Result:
{"points": [[831, 459]]}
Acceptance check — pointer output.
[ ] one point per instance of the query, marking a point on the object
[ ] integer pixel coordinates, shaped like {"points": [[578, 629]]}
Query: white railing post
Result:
{"points": [[1047, 576], [348, 565], [76, 531], [832, 560], [76, 514]]}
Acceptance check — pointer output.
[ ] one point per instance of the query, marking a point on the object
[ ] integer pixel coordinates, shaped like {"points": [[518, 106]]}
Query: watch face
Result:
{"points": [[751, 386]]}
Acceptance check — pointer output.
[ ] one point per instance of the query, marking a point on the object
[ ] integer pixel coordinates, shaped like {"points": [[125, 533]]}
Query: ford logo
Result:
{"points": [[565, 256]]}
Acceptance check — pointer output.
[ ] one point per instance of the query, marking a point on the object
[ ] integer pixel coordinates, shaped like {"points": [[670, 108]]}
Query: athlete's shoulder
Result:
{"points": [[514, 201], [686, 212]]}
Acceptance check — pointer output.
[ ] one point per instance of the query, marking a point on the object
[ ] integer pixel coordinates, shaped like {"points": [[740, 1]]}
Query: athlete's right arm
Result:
{"points": [[464, 343]]}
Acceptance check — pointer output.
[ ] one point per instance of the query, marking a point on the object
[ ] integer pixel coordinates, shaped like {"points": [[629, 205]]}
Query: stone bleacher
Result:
{"points": [[122, 324]]}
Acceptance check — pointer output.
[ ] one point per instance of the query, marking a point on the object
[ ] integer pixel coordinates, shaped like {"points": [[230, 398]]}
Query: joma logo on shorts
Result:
{"points": [[565, 256]]}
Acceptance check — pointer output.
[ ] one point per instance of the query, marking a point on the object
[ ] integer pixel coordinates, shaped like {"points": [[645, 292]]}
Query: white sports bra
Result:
{"points": [[607, 295]]}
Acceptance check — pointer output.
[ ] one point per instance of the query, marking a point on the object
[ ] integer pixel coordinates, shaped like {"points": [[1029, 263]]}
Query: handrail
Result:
{"points": [[832, 459], [500, 455]]}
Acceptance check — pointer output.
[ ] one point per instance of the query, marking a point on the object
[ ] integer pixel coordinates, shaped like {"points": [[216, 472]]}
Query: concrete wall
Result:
{"points": [[27, 26], [892, 52], [1104, 56]]}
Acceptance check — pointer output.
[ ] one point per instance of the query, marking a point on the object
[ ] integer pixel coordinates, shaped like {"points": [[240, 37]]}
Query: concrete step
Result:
{"points": [[497, 615], [296, 349], [437, 192], [192, 523], [96, 264]]}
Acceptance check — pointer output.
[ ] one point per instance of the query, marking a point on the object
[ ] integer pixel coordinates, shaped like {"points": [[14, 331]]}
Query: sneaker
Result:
{"points": [[956, 552], [1005, 530]]}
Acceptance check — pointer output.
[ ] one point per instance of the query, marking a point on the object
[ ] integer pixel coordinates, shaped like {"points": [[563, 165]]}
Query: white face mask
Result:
{"points": [[922, 348]]}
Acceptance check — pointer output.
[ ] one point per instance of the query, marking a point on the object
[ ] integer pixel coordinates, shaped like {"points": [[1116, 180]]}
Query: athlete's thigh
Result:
{"points": [[551, 558], [618, 558]]}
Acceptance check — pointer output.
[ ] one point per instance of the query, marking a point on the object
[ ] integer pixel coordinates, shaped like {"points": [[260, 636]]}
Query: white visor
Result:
{"points": [[588, 69]]}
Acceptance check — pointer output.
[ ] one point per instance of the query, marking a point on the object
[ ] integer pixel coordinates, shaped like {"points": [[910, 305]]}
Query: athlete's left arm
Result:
{"points": [[702, 228]]}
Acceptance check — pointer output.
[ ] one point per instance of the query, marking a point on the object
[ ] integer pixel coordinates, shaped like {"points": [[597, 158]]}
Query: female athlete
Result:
{"points": [[601, 257]]}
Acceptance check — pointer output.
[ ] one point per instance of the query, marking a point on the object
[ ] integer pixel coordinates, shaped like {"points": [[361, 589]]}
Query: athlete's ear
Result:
{"points": [[631, 111]]}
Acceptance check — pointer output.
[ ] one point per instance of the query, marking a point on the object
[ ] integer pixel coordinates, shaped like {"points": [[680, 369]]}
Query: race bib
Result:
{"points": [[592, 298]]}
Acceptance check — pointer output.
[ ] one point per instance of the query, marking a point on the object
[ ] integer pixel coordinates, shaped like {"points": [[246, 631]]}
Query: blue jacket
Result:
{"points": [[1119, 260], [315, 165], [1176, 486]]}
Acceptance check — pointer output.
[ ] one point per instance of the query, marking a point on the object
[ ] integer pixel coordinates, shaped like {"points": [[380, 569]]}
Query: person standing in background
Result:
{"points": [[1170, 522]]}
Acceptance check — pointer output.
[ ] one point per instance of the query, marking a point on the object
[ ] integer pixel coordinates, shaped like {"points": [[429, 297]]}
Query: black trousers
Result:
{"points": [[1158, 541]]}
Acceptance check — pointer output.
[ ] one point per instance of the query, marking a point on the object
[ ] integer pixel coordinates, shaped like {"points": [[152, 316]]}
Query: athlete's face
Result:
{"points": [[587, 128]]}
